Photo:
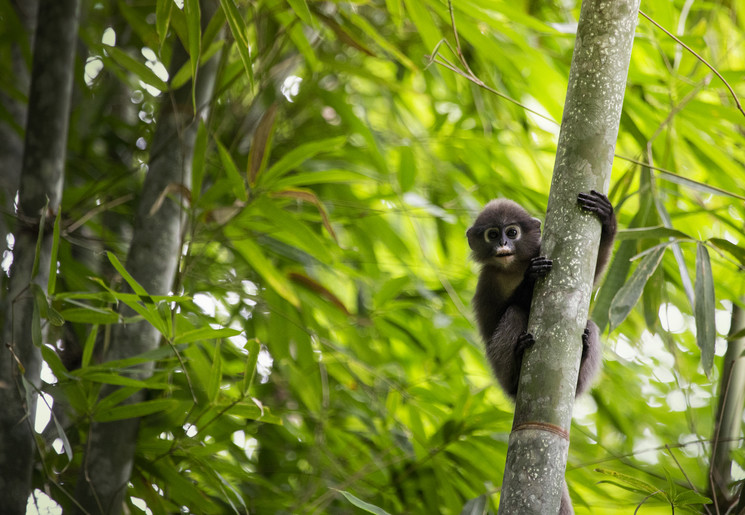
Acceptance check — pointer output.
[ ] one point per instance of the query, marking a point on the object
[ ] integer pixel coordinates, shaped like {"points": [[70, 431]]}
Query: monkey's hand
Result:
{"points": [[598, 203], [539, 267], [524, 341]]}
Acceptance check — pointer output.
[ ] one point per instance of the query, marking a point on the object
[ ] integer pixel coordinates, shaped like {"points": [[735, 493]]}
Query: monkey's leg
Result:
{"points": [[566, 507]]}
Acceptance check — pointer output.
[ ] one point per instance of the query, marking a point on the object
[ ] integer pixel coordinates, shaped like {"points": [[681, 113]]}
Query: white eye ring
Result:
{"points": [[513, 232], [491, 234]]}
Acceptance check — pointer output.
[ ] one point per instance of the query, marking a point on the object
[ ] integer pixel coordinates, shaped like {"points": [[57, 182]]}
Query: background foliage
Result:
{"points": [[319, 350]]}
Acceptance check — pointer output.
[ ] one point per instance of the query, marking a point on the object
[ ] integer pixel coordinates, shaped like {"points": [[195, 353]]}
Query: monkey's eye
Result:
{"points": [[491, 234], [513, 232]]}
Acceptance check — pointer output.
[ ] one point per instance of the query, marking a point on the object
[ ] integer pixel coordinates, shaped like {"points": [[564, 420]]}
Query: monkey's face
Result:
{"points": [[504, 236], [502, 241]]}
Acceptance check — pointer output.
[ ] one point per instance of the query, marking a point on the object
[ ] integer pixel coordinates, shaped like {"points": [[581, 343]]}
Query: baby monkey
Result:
{"points": [[506, 242]]}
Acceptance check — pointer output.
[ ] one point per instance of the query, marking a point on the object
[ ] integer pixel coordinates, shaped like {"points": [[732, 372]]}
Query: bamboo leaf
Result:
{"points": [[253, 347], [136, 68], [136, 287], [238, 29], [258, 154], [737, 251], [89, 346], [163, 19], [705, 308], [194, 35], [231, 170], [627, 297], [137, 410], [52, 282], [197, 162], [213, 387], [658, 232], [90, 315], [205, 333], [370, 508], [301, 9], [255, 257], [629, 483], [299, 155]]}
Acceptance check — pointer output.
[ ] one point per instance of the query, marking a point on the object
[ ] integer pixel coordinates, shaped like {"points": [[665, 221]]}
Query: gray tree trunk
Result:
{"points": [[11, 134], [40, 192], [152, 260], [539, 442], [728, 423]]}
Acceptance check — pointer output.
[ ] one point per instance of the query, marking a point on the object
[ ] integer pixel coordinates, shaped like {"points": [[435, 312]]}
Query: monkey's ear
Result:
{"points": [[537, 222], [473, 236]]}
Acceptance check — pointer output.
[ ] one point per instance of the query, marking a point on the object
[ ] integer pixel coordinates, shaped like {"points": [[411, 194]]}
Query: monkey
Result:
{"points": [[506, 241]]}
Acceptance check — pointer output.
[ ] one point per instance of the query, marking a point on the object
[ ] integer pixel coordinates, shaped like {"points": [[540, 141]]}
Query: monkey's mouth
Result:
{"points": [[506, 254]]}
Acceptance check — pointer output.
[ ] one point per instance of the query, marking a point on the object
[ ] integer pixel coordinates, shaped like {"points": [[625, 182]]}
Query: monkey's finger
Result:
{"points": [[524, 341]]}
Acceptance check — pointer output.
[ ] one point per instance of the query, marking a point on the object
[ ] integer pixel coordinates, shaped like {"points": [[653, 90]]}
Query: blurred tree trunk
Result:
{"points": [[152, 260], [728, 423], [11, 135], [40, 193], [539, 442]]}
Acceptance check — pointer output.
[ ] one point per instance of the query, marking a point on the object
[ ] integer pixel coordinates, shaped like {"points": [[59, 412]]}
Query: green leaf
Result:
{"points": [[39, 239], [137, 410], [213, 388], [90, 344], [689, 497], [319, 177], [705, 308], [240, 34], [299, 155], [253, 347], [136, 287], [239, 187], [651, 233], [55, 363], [627, 297], [406, 169], [136, 68], [115, 377], [301, 9], [258, 153], [255, 257], [630, 483], [737, 251], [52, 283], [370, 508], [197, 162], [194, 35], [90, 315], [205, 333], [163, 19]]}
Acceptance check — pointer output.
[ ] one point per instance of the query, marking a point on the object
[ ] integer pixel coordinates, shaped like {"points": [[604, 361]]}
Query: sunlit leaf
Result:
{"points": [[626, 298], [136, 68], [705, 308], [356, 501]]}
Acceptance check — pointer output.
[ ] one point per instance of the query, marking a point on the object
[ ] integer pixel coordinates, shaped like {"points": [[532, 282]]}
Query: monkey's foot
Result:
{"points": [[539, 266], [585, 341], [597, 203], [524, 341]]}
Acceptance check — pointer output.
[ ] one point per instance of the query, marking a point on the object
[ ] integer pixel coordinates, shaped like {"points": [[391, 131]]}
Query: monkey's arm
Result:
{"points": [[598, 203]]}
